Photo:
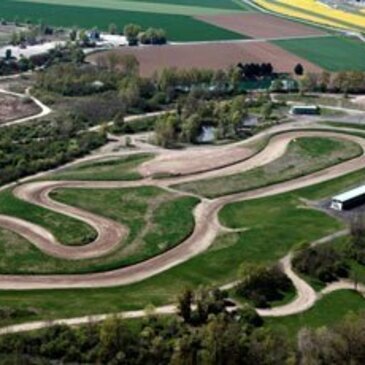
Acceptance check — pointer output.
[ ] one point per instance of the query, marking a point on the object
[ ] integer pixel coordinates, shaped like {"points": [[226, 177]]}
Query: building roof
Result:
{"points": [[350, 194], [314, 107]]}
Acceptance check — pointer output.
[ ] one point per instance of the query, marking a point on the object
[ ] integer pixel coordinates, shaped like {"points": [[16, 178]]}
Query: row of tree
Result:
{"points": [[135, 34], [195, 112], [204, 334], [342, 82]]}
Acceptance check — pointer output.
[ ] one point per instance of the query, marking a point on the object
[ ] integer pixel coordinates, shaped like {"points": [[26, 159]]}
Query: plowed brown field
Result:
{"points": [[261, 25], [211, 56]]}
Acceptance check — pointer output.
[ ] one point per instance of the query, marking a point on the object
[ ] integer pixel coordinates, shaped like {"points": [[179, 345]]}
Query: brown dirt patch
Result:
{"points": [[194, 160], [12, 108], [213, 56], [261, 25]]}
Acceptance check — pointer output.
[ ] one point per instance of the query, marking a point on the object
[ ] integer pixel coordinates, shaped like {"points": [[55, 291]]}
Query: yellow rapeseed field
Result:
{"points": [[316, 12]]}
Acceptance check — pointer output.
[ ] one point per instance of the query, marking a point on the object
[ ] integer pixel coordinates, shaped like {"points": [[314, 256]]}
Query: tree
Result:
{"points": [[113, 338], [113, 28], [266, 110], [131, 32], [166, 130], [277, 85], [84, 38], [8, 54], [119, 121], [185, 301], [299, 69], [325, 81], [191, 128], [73, 35]]}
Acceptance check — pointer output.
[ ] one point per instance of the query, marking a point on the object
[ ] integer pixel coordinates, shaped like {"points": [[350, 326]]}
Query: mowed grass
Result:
{"points": [[304, 156], [121, 168], [331, 53], [156, 220], [276, 225], [180, 28], [328, 311]]}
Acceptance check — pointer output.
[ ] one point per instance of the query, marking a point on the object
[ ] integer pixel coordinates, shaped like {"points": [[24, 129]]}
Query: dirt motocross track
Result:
{"points": [[207, 226]]}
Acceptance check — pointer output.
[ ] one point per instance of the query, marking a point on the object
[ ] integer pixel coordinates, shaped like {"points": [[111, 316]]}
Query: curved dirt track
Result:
{"points": [[306, 296], [110, 233]]}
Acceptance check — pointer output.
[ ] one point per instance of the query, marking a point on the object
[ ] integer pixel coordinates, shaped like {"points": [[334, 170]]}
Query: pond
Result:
{"points": [[207, 134]]}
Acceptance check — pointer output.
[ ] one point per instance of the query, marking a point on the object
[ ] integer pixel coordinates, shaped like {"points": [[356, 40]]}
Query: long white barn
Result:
{"points": [[349, 199]]}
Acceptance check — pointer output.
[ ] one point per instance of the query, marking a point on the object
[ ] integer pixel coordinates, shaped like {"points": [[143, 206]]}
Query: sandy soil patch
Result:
{"points": [[261, 25], [12, 107], [359, 100], [213, 56], [194, 160]]}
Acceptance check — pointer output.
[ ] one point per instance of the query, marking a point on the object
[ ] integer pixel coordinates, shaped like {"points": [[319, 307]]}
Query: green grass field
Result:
{"points": [[297, 161], [331, 53], [266, 241], [156, 220], [176, 17], [328, 311]]}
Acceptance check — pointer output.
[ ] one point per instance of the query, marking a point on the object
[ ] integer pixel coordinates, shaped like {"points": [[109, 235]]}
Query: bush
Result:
{"points": [[262, 285], [321, 262]]}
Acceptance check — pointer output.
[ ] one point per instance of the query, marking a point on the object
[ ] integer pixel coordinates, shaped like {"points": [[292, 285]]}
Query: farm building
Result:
{"points": [[305, 110], [349, 200]]}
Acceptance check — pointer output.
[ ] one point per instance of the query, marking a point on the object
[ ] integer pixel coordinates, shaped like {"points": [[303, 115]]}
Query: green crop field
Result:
{"points": [[175, 16], [331, 53], [139, 6]]}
